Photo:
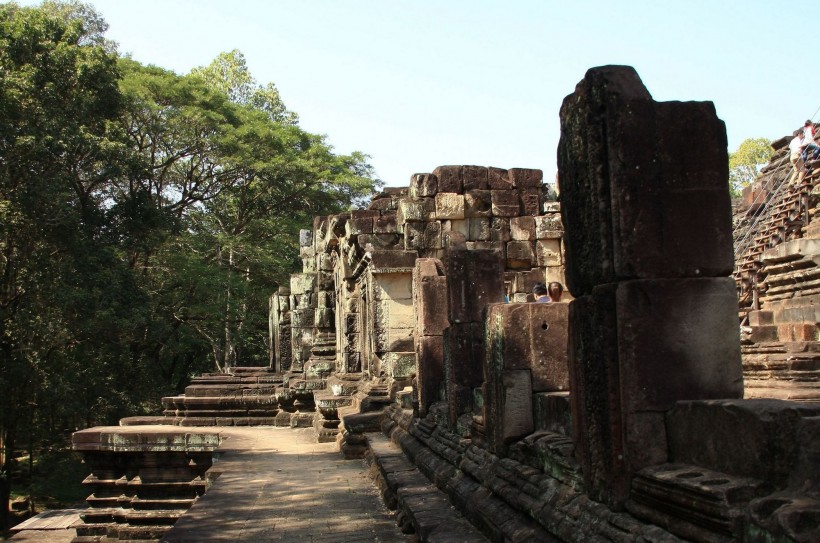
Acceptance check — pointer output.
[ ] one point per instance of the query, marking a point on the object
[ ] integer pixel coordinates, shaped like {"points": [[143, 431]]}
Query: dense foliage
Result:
{"points": [[145, 218], [745, 163]]}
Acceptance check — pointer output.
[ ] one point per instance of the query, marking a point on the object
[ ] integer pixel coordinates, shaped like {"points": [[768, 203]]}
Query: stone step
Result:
{"points": [[421, 504], [152, 516], [145, 421], [307, 384], [172, 503], [331, 401], [693, 501], [231, 390]]}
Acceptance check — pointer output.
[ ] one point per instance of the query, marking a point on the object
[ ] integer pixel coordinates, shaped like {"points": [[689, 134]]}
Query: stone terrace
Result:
{"points": [[615, 418]]}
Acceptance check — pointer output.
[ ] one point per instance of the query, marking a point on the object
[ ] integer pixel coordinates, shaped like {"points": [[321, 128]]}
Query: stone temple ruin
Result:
{"points": [[616, 417]]}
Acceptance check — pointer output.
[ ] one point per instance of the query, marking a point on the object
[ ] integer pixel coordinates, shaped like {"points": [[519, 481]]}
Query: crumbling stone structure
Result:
{"points": [[777, 251], [654, 442], [615, 417]]}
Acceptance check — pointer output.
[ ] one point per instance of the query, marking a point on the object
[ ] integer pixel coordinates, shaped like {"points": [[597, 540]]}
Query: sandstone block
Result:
{"points": [[462, 226], [351, 323], [498, 248], [384, 224], [418, 209], [475, 280], [323, 317], [325, 262], [499, 179], [520, 255], [449, 205], [430, 295], [552, 412], [637, 348], [525, 178], [522, 228], [555, 273], [324, 281], [380, 241], [361, 214], [548, 252], [463, 358], [392, 286], [383, 261], [500, 229], [430, 351], [325, 299], [305, 238], [548, 226], [393, 326], [301, 283], [449, 178], [478, 229], [532, 337], [383, 204], [477, 203], [661, 208], [400, 365], [422, 235], [423, 184], [530, 201], [748, 438], [699, 359], [508, 409], [309, 265], [353, 362], [475, 177], [505, 203]]}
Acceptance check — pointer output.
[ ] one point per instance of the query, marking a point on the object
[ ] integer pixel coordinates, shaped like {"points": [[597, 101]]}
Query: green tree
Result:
{"points": [[746, 162], [249, 180], [58, 98], [229, 74], [145, 217]]}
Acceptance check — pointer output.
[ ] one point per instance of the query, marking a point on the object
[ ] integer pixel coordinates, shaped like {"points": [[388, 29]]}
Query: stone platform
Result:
{"points": [[278, 484]]}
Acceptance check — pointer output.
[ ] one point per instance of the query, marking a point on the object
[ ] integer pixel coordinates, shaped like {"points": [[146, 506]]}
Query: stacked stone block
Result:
{"points": [[430, 300], [648, 247], [281, 341], [140, 482], [526, 356], [487, 227]]}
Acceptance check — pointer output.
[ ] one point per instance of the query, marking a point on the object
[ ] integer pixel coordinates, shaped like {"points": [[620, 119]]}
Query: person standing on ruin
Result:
{"points": [[796, 156], [808, 131], [810, 147]]}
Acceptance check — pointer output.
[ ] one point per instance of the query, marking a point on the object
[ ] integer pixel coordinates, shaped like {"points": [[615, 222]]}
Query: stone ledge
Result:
{"points": [[403, 487]]}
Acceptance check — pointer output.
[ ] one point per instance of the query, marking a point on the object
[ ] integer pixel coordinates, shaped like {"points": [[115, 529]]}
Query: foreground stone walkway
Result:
{"points": [[279, 485]]}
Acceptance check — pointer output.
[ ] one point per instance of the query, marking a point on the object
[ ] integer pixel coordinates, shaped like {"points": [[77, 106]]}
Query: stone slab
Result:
{"points": [[643, 184]]}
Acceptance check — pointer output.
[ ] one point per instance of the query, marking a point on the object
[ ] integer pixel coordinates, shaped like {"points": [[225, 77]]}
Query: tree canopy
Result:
{"points": [[745, 163], [145, 218]]}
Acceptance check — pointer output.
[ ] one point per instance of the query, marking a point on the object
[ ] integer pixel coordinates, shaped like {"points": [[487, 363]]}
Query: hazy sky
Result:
{"points": [[417, 84]]}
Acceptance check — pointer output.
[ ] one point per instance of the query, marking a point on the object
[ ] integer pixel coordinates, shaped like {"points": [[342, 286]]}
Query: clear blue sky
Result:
{"points": [[417, 84]]}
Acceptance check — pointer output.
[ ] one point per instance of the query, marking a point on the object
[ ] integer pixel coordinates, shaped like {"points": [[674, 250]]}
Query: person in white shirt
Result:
{"points": [[796, 147]]}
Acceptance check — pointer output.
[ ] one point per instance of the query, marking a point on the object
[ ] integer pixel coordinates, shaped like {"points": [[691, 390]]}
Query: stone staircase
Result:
{"points": [[777, 243], [783, 217], [332, 403], [140, 483]]}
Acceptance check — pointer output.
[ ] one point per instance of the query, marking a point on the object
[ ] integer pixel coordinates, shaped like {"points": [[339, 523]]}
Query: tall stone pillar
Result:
{"points": [[430, 299], [645, 205]]}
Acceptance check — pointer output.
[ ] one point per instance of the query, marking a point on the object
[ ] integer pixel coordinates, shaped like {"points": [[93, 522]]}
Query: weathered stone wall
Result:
{"points": [[649, 251]]}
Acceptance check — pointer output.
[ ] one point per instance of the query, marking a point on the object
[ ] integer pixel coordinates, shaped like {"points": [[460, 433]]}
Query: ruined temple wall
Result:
{"points": [[356, 281], [649, 253]]}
